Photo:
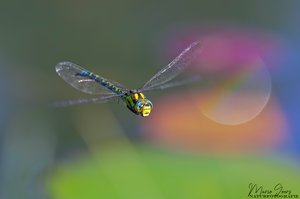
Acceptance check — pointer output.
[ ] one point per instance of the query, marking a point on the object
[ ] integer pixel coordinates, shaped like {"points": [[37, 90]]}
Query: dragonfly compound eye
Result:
{"points": [[139, 105]]}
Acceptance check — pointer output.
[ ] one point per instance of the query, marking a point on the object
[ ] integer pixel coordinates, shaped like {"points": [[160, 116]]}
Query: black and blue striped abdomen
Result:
{"points": [[102, 81]]}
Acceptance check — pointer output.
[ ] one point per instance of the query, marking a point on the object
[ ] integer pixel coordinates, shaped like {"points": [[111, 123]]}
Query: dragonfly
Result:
{"points": [[134, 99]]}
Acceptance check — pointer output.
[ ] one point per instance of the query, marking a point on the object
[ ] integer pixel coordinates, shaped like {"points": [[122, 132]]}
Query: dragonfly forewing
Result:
{"points": [[174, 68], [91, 84]]}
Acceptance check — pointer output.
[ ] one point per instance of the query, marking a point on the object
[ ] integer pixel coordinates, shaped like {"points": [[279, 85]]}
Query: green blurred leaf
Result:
{"points": [[122, 172]]}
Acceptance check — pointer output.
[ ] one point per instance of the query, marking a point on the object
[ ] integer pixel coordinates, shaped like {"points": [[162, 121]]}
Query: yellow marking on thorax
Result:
{"points": [[142, 95], [136, 96]]}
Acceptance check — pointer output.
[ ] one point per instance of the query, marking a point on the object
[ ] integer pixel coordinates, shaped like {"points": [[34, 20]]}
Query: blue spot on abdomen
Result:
{"points": [[83, 73]]}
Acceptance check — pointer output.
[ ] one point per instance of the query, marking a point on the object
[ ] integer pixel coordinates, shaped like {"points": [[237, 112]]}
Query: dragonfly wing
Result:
{"points": [[172, 84], [69, 72], [101, 99], [174, 68]]}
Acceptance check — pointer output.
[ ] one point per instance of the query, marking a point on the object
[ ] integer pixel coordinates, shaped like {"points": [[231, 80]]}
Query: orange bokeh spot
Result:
{"points": [[177, 123]]}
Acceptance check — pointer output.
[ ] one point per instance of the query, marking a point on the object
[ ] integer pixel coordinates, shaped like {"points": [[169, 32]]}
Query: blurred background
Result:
{"points": [[240, 126]]}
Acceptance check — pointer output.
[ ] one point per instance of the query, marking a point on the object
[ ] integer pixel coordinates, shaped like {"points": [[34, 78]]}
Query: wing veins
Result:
{"points": [[174, 68], [69, 71], [101, 99]]}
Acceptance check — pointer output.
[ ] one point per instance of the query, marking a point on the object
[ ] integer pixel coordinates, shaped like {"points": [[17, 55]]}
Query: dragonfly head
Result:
{"points": [[144, 107]]}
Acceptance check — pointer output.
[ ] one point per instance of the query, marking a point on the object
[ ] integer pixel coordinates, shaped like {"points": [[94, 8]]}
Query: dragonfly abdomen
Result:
{"points": [[102, 81], [110, 86]]}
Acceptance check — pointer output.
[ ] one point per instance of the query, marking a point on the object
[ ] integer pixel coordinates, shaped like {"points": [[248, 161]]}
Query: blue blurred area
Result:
{"points": [[126, 42], [286, 79], [287, 92]]}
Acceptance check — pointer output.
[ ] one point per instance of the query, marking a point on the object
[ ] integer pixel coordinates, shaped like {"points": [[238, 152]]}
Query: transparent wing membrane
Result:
{"points": [[174, 68], [102, 99], [184, 82], [69, 72]]}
